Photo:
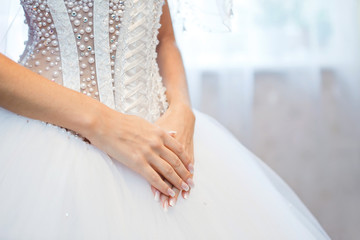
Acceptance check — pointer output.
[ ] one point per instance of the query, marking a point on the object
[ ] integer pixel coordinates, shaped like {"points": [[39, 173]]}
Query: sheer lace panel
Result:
{"points": [[105, 49], [42, 53]]}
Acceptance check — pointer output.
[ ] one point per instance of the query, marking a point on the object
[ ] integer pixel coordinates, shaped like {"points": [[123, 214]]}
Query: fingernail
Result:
{"points": [[157, 196], [185, 186], [172, 202], [166, 205], [172, 132], [191, 168], [186, 195], [171, 192], [191, 183]]}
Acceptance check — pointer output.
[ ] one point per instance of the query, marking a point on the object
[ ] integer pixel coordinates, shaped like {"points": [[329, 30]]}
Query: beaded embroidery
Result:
{"points": [[67, 45]]}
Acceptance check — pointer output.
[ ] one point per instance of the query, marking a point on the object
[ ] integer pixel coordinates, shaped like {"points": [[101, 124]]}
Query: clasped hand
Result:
{"points": [[163, 158]]}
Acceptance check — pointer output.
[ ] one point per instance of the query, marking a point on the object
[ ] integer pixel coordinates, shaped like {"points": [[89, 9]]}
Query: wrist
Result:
{"points": [[92, 119], [183, 108]]}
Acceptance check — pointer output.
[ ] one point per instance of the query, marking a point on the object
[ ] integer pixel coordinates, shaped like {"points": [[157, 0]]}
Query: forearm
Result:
{"points": [[29, 94], [173, 72]]}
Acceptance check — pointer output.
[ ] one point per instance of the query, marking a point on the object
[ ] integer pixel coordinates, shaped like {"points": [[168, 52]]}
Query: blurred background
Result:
{"points": [[286, 83]]}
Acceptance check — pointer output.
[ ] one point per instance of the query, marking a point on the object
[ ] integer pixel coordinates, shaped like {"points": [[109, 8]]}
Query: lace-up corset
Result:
{"points": [[105, 49]]}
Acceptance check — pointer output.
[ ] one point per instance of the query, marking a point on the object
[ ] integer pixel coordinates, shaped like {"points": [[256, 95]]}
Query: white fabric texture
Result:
{"points": [[102, 49], [69, 58], [53, 185]]}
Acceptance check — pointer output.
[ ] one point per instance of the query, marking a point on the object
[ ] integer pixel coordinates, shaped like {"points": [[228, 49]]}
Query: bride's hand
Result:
{"points": [[179, 121], [144, 147]]}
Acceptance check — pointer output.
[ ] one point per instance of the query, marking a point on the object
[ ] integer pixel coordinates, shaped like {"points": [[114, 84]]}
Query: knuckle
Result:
{"points": [[177, 164], [156, 143], [169, 171], [181, 149], [179, 182], [154, 178], [145, 151], [138, 159]]}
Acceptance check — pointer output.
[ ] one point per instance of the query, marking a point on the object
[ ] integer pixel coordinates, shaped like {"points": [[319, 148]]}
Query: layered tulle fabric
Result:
{"points": [[53, 185]]}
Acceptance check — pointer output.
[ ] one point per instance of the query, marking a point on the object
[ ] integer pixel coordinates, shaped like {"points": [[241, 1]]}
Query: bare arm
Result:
{"points": [[170, 62], [129, 139], [179, 116], [29, 94]]}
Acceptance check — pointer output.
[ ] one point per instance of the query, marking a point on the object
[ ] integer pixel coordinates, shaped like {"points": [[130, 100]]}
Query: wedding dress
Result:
{"points": [[53, 185]]}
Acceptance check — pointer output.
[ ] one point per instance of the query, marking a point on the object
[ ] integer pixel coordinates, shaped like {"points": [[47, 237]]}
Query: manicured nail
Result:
{"points": [[191, 183], [171, 192], [186, 195], [157, 196], [172, 132], [191, 168], [185, 186], [166, 205], [172, 202]]}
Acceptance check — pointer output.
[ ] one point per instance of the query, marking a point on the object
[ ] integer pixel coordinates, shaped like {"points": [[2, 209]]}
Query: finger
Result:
{"points": [[172, 133], [185, 195], [164, 202], [156, 193], [168, 172], [177, 148], [165, 199], [155, 180], [178, 166], [191, 154], [190, 166], [173, 200]]}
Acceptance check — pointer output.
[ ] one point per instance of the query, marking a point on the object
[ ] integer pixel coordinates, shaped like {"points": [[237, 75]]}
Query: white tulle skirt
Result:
{"points": [[53, 185]]}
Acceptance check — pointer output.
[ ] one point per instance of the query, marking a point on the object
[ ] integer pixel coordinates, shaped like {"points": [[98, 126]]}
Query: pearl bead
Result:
{"points": [[54, 43], [81, 17]]}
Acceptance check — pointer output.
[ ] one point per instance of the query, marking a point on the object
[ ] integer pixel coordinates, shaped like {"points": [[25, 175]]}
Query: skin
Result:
{"points": [[164, 159], [179, 117]]}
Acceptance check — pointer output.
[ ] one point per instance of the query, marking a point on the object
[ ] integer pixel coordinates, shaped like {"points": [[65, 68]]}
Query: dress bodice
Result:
{"points": [[105, 49]]}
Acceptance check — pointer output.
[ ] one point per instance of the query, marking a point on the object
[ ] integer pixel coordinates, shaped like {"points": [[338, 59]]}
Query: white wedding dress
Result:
{"points": [[53, 185]]}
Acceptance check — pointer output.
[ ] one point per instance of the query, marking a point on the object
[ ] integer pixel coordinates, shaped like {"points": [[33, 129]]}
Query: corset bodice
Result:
{"points": [[105, 49]]}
